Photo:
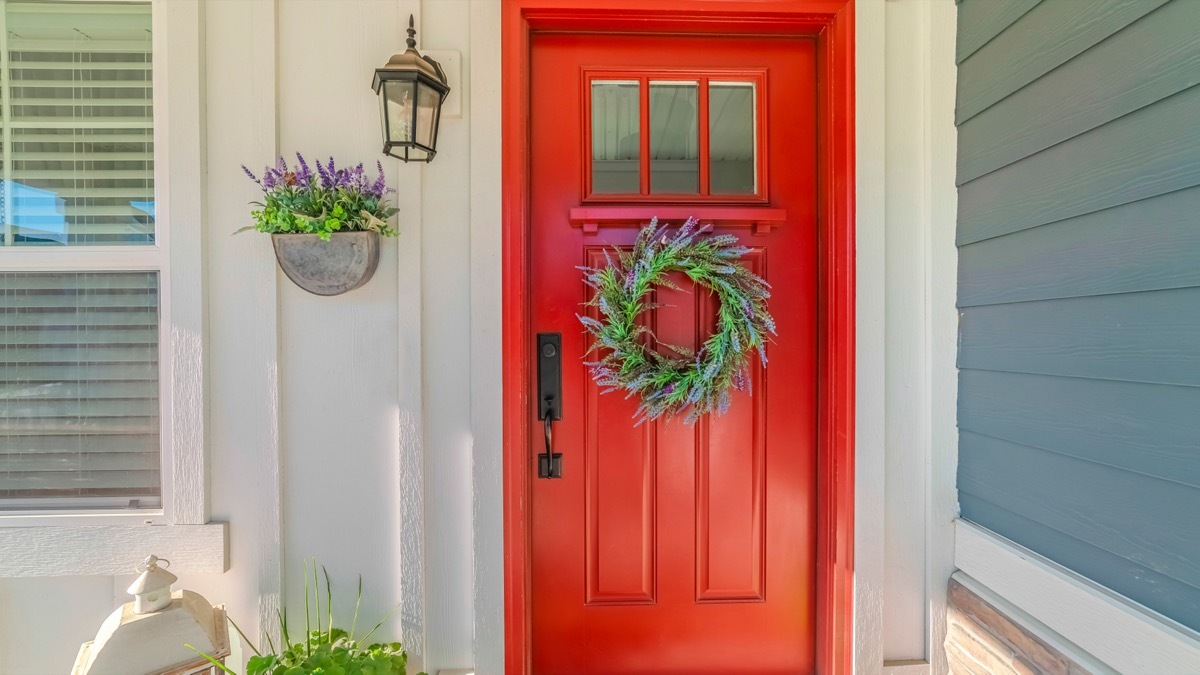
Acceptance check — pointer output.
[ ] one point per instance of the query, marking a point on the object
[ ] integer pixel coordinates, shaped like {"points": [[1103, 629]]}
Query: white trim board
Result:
{"points": [[1122, 634], [1031, 625], [906, 331], [105, 550]]}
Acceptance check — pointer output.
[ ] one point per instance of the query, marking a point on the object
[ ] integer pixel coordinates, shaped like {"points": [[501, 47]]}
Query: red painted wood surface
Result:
{"points": [[830, 24], [668, 547]]}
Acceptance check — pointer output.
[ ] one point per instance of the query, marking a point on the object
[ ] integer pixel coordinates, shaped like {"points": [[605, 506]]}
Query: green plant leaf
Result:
{"points": [[210, 659]]}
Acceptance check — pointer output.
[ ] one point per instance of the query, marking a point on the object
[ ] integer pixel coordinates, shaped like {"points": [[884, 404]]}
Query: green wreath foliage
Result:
{"points": [[685, 382]]}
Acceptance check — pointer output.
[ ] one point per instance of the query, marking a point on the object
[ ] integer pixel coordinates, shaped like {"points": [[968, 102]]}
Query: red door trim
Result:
{"points": [[832, 23]]}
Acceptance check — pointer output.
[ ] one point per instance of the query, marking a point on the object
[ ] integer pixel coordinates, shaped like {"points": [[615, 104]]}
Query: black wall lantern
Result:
{"points": [[411, 89]]}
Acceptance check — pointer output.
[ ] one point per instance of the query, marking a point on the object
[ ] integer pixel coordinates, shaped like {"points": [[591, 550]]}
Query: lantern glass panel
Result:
{"points": [[398, 110], [428, 102]]}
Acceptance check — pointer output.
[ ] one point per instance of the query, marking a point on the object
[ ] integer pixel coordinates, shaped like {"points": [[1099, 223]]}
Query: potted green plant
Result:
{"points": [[325, 650], [324, 225]]}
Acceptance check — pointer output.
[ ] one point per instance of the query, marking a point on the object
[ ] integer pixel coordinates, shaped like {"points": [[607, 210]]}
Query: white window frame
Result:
{"points": [[88, 542]]}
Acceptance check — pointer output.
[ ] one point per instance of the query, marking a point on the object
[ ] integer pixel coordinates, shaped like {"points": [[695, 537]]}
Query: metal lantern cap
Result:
{"points": [[410, 65], [152, 576]]}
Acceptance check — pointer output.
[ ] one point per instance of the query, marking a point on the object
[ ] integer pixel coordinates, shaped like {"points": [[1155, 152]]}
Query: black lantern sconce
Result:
{"points": [[411, 89]]}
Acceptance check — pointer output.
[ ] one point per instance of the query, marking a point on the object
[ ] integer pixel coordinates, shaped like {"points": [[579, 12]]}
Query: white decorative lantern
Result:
{"points": [[148, 636], [152, 590]]}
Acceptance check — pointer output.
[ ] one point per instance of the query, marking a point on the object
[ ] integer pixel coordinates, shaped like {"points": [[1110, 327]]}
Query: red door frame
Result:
{"points": [[831, 22]]}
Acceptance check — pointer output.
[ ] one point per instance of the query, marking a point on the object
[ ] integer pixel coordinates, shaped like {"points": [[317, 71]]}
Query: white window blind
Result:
{"points": [[80, 404], [78, 151], [79, 414]]}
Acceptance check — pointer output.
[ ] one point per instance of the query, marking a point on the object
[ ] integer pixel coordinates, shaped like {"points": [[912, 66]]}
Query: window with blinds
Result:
{"points": [[79, 348], [79, 412], [78, 149]]}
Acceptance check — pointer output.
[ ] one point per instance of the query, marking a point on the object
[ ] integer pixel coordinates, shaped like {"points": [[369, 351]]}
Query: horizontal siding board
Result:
{"points": [[1147, 521], [1144, 154], [1139, 583], [1153, 58], [1138, 337], [1046, 37], [1149, 429], [1153, 244], [981, 20]]}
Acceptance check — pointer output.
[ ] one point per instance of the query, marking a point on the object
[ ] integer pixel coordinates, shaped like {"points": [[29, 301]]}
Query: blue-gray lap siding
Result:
{"points": [[1079, 287]]}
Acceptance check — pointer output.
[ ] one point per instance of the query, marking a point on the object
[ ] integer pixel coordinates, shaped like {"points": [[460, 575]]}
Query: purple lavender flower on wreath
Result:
{"points": [[699, 382]]}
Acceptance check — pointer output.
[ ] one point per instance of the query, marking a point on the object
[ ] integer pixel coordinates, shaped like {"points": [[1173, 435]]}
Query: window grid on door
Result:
{"points": [[614, 90]]}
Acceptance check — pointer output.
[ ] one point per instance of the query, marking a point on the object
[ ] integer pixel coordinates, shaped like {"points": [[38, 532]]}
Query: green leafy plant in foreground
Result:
{"points": [[326, 650]]}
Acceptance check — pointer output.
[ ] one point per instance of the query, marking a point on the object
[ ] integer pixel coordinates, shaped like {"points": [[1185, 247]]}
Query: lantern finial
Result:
{"points": [[412, 33], [152, 590]]}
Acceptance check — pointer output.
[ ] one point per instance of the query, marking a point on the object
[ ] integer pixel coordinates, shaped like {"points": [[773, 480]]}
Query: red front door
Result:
{"points": [[669, 548]]}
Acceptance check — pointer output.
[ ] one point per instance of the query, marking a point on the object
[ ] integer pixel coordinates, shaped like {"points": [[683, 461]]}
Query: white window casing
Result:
{"points": [[106, 541]]}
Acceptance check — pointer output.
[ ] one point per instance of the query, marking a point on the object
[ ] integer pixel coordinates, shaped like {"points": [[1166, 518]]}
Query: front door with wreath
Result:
{"points": [[681, 536]]}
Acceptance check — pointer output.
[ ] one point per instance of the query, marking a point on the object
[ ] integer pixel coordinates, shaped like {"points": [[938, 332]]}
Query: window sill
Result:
{"points": [[104, 550]]}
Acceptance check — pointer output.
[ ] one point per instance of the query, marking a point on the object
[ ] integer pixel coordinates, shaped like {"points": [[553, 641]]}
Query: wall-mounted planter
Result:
{"points": [[342, 264]]}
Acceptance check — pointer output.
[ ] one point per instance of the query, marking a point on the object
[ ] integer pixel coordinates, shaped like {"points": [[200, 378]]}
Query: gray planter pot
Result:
{"points": [[332, 267]]}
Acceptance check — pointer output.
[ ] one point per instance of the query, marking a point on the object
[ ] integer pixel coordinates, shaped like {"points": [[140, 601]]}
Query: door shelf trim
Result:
{"points": [[760, 220], [831, 24]]}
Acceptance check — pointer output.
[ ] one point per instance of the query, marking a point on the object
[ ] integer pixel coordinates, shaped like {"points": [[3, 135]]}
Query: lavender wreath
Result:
{"points": [[688, 383]]}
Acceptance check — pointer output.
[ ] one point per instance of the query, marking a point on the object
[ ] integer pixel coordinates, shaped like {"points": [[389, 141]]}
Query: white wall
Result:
{"points": [[343, 427]]}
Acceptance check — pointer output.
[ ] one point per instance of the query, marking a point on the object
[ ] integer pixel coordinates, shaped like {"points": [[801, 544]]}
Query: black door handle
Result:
{"points": [[549, 356]]}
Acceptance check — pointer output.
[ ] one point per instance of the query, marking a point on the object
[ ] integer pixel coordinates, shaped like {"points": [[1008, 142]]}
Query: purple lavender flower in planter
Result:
{"points": [[380, 184], [297, 201], [303, 173], [252, 176]]}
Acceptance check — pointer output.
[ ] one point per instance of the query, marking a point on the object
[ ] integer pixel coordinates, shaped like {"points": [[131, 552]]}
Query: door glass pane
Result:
{"points": [[674, 138], [79, 390], [731, 138], [79, 167], [615, 137]]}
